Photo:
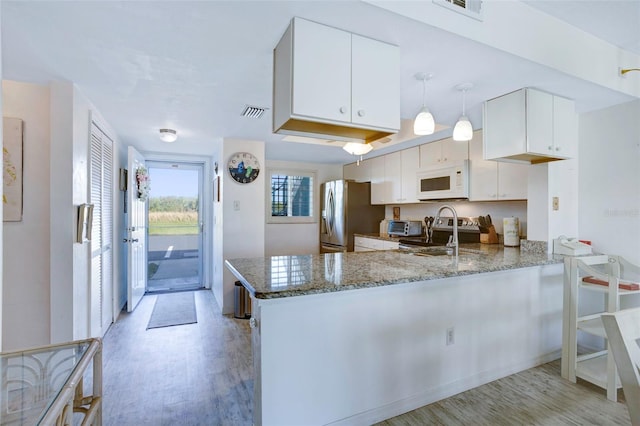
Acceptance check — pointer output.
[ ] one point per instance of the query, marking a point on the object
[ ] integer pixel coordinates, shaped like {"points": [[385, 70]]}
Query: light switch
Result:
{"points": [[556, 203], [236, 205]]}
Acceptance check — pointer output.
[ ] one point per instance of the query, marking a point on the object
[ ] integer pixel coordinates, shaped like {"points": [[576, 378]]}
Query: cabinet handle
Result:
{"points": [[503, 195], [444, 159], [360, 113], [343, 110], [557, 148], [494, 195], [550, 148]]}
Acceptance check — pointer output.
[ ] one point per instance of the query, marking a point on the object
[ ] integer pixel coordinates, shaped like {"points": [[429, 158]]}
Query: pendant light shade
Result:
{"points": [[355, 148], [463, 131], [424, 124]]}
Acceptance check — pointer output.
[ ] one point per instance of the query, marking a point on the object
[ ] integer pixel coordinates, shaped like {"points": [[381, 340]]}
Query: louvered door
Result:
{"points": [[101, 184]]}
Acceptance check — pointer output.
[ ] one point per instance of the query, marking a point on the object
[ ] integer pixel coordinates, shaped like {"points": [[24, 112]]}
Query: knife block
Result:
{"points": [[491, 237]]}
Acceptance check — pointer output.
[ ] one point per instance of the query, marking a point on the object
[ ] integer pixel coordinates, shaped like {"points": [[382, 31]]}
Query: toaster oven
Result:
{"points": [[405, 228]]}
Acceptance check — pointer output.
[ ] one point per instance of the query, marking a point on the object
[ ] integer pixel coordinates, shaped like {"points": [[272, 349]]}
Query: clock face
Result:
{"points": [[243, 167]]}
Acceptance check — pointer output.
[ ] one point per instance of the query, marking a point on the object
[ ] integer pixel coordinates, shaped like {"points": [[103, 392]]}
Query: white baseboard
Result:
{"points": [[441, 392]]}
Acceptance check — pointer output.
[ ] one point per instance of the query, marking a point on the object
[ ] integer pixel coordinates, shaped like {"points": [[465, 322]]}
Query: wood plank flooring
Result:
{"points": [[201, 374], [194, 374]]}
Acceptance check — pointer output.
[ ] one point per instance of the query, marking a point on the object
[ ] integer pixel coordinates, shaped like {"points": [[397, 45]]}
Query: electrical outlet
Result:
{"points": [[450, 336], [556, 203]]}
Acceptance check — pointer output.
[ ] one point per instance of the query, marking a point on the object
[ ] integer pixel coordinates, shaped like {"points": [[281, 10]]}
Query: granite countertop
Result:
{"points": [[297, 275]]}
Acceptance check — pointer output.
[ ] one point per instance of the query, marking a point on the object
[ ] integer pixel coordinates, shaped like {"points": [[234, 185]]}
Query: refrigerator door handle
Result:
{"points": [[331, 213]]}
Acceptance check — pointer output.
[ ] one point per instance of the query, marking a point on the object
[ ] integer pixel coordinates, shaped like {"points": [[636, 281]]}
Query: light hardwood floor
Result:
{"points": [[200, 374]]}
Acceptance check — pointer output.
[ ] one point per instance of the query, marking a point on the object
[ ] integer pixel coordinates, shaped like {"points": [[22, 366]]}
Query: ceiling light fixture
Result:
{"points": [[168, 135], [359, 149], [424, 124], [463, 130]]}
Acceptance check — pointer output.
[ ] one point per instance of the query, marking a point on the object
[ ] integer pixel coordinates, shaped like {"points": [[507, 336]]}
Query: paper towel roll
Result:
{"points": [[511, 229]]}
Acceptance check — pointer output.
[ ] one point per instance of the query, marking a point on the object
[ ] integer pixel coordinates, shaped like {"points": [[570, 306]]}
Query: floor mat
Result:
{"points": [[173, 309]]}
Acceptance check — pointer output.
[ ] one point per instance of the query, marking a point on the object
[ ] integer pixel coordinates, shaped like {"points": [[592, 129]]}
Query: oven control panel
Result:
{"points": [[465, 224]]}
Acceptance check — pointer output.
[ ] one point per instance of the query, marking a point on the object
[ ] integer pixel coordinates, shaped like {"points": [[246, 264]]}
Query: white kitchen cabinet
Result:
{"points": [[443, 151], [530, 126], [380, 187], [372, 244], [357, 172], [334, 84], [393, 176], [375, 83], [410, 163], [492, 180]]}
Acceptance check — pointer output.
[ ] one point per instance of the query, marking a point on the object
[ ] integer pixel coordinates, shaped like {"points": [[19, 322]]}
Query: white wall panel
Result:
{"points": [[25, 309]]}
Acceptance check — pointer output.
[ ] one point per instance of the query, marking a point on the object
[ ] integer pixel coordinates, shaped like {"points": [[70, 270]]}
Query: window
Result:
{"points": [[290, 196]]}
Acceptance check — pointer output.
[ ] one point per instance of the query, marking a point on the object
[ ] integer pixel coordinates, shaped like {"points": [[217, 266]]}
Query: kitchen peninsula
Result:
{"points": [[354, 338]]}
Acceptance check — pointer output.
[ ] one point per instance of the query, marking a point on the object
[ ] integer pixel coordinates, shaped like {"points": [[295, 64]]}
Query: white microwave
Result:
{"points": [[444, 182]]}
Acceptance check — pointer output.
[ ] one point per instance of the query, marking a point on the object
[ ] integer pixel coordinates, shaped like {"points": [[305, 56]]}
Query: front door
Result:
{"points": [[175, 226], [137, 193]]}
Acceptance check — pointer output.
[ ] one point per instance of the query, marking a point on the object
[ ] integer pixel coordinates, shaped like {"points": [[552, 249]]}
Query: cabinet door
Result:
{"points": [[430, 154], [322, 72], [375, 83], [504, 126], [410, 163], [565, 128], [390, 245], [358, 173], [483, 174], [539, 122], [454, 150], [393, 176], [379, 188], [512, 181]]}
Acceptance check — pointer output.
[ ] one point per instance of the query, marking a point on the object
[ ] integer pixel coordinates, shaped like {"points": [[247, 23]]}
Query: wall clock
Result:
{"points": [[243, 167]]}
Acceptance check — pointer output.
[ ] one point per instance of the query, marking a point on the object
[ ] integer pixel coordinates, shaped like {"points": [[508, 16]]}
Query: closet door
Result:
{"points": [[101, 183]]}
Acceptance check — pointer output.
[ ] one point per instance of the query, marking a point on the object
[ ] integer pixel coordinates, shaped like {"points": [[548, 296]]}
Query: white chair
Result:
{"points": [[623, 333]]}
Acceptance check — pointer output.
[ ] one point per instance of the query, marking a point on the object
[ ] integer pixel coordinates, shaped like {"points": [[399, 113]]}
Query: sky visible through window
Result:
{"points": [[176, 182]]}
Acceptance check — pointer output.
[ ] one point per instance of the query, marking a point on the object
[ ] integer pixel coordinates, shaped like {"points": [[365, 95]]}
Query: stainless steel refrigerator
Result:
{"points": [[346, 209]]}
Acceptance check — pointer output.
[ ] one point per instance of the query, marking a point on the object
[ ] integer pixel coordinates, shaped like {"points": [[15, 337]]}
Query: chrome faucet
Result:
{"points": [[453, 239]]}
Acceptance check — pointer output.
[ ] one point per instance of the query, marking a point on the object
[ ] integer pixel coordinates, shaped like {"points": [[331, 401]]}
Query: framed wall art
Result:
{"points": [[12, 169]]}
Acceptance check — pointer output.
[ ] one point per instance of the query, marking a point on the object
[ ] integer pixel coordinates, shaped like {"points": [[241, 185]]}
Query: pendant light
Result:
{"points": [[358, 149], [463, 130], [424, 124]]}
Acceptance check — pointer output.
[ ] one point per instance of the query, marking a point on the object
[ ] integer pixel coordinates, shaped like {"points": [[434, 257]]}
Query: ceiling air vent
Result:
{"points": [[253, 111], [470, 8]]}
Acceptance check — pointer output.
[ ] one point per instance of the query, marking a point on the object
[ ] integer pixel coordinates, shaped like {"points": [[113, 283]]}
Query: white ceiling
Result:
{"points": [[193, 66], [615, 21]]}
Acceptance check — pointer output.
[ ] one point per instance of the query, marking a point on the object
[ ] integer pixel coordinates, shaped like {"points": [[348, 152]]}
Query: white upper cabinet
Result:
{"points": [[410, 163], [530, 126], [400, 170], [357, 172], [322, 72], [333, 84], [443, 151], [375, 83], [380, 187], [492, 180]]}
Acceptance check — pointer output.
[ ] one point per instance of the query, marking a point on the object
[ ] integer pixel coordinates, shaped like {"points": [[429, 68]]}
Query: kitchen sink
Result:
{"points": [[434, 251]]}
